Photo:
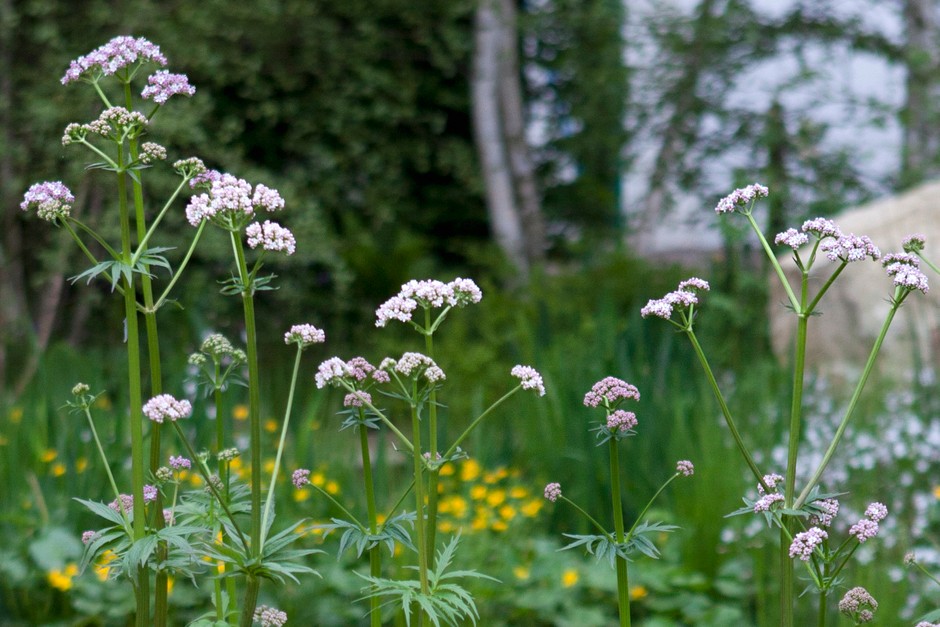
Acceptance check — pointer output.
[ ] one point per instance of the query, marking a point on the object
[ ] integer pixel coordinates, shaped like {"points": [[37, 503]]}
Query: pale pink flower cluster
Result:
{"points": [[357, 399], [118, 120], [305, 335], [150, 152], [415, 365], [180, 462], [741, 196], [356, 370], [771, 481], [89, 536], [850, 248], [270, 616], [51, 199], [685, 296], [115, 55], [609, 391], [161, 85], [924, 623], [553, 491], [805, 542], [765, 503], [360, 369], [685, 468], [792, 238], [858, 604], [822, 228], [830, 508], [270, 236], [300, 477], [621, 421], [867, 528], [150, 493], [531, 379], [330, 372], [905, 269], [229, 196], [165, 407], [190, 167], [428, 294], [914, 242], [124, 502]]}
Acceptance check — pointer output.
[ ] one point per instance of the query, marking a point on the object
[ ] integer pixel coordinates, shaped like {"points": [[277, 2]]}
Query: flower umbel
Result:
{"points": [[115, 55], [858, 605], [685, 468], [609, 392], [165, 407], [553, 491], [531, 379], [161, 85], [304, 335], [741, 197], [52, 200]]}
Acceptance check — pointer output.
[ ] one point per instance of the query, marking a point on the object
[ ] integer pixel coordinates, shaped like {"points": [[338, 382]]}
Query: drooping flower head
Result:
{"points": [[165, 407], [805, 542], [270, 236], [161, 86], [113, 56], [741, 197], [51, 199], [304, 335], [531, 379], [858, 605], [685, 468], [427, 294], [610, 392], [553, 491]]}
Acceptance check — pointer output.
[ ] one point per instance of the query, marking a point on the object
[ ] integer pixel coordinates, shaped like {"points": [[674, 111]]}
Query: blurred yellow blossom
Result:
{"points": [[331, 487], [569, 578], [532, 508], [638, 592], [81, 464], [102, 570], [521, 572], [270, 425], [447, 469], [301, 495], [936, 492], [496, 497], [240, 412], [48, 455], [61, 579], [478, 492], [57, 469], [103, 402], [518, 492], [16, 415], [470, 470]]}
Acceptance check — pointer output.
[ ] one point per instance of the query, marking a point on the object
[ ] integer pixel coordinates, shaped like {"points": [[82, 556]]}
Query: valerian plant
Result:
{"points": [[621, 545], [413, 381], [226, 522], [790, 509]]}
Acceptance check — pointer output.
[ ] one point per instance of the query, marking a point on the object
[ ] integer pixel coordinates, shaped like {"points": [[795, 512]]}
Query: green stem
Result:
{"points": [[107, 469], [375, 553], [926, 572], [473, 425], [145, 236], [773, 261], [650, 503], [136, 403], [182, 266], [927, 261], [434, 470], [280, 448], [821, 612], [738, 440], [623, 577], [88, 253], [899, 295], [250, 601], [812, 306], [420, 529], [378, 412]]}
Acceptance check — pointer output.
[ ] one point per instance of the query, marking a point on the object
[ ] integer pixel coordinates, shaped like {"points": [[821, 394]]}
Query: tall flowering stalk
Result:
{"points": [[415, 379], [609, 394], [114, 138], [816, 238]]}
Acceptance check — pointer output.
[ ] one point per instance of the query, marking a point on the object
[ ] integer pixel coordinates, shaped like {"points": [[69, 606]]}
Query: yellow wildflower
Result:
{"points": [[478, 492], [499, 525], [532, 508], [569, 578], [478, 523], [61, 579], [270, 425], [638, 592], [16, 415], [48, 455], [318, 479], [331, 487], [508, 512], [519, 492], [81, 464], [103, 402], [268, 466], [57, 469], [936, 492], [240, 412], [522, 573], [301, 495], [445, 526], [496, 498], [469, 470], [447, 469]]}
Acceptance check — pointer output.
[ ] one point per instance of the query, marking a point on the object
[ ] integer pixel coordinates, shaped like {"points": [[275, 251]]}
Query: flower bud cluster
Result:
{"points": [[741, 197]]}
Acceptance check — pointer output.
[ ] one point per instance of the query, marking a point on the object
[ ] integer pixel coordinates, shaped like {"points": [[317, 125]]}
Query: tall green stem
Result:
{"points": [[375, 553], [420, 528], [821, 611], [136, 402], [434, 471], [254, 420], [738, 440], [280, 447], [623, 577]]}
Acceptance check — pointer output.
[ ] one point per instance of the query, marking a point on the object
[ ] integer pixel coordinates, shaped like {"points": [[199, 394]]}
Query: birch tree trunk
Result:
{"points": [[499, 130]]}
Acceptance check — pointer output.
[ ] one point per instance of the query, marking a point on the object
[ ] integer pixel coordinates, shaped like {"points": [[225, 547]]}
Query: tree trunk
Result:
{"points": [[513, 116], [921, 141], [490, 133]]}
